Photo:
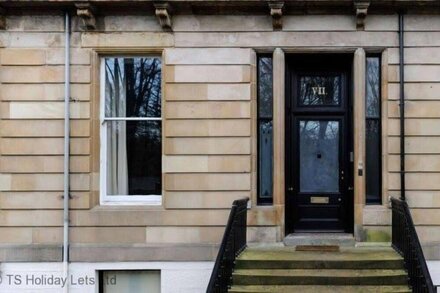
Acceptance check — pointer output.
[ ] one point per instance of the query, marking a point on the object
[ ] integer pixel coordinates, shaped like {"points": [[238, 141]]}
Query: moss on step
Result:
{"points": [[352, 269], [377, 236], [319, 277]]}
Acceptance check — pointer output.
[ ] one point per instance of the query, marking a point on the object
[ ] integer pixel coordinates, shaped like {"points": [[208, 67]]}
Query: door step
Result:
{"points": [[328, 248], [280, 269], [318, 289], [347, 258], [339, 277], [319, 239]]}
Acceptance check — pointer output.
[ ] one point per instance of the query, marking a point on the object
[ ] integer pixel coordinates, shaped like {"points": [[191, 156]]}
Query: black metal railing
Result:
{"points": [[406, 242], [233, 243]]}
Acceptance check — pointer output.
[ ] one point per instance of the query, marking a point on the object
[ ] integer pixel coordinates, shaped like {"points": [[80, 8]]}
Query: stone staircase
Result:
{"points": [[346, 269]]}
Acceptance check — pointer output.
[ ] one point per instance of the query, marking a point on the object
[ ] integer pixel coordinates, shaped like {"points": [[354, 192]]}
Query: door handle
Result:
{"points": [[350, 188], [290, 189]]}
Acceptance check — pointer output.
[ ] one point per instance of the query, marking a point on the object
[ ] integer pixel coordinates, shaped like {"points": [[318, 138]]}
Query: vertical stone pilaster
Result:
{"points": [[359, 140], [254, 127], [384, 124], [279, 73]]}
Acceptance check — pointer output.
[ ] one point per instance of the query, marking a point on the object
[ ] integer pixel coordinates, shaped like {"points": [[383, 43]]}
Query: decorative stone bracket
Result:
{"points": [[163, 14], [276, 11], [2, 18], [86, 12], [361, 7]]}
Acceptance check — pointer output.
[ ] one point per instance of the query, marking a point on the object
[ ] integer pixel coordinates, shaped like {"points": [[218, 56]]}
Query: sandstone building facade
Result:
{"points": [[177, 108]]}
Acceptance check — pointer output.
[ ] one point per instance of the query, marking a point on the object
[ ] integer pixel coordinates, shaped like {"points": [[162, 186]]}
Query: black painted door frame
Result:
{"points": [[299, 204]]}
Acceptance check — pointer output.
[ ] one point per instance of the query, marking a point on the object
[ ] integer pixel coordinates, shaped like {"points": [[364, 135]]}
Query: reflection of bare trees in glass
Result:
{"points": [[323, 130], [265, 88], [319, 160], [372, 130], [372, 87], [309, 95], [114, 98], [265, 134], [133, 89], [139, 79], [143, 79]]}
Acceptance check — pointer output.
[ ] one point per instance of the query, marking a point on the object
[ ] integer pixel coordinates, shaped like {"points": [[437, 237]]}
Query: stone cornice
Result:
{"points": [[229, 6], [2, 18]]}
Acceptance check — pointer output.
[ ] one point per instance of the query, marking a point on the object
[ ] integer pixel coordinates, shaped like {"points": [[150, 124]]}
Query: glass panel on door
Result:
{"points": [[319, 155]]}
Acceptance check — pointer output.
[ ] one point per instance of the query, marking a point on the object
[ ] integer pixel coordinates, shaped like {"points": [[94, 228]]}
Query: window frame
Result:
{"points": [[105, 199], [379, 199], [264, 200]]}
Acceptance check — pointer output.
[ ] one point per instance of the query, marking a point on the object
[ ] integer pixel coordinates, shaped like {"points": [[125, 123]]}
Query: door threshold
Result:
{"points": [[324, 239], [308, 232]]}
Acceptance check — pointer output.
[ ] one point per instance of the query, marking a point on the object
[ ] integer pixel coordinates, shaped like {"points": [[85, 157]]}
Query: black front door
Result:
{"points": [[318, 144]]}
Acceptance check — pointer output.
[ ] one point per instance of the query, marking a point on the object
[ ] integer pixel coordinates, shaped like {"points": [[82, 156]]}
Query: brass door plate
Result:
{"points": [[319, 199]]}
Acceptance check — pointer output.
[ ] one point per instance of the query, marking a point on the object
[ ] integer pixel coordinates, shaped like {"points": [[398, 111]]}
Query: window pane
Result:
{"points": [[265, 129], [373, 169], [133, 87], [320, 90], [265, 87], [134, 151], [265, 162], [373, 88], [131, 281], [319, 156]]}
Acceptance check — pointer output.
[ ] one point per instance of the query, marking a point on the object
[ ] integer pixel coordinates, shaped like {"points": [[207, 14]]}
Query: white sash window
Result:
{"points": [[131, 130]]}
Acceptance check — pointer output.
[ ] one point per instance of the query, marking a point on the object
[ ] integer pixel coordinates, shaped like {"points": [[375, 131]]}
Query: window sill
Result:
{"points": [[117, 200], [126, 207]]}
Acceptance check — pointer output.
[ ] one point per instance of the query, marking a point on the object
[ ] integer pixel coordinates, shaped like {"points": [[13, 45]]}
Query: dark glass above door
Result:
{"points": [[319, 90]]}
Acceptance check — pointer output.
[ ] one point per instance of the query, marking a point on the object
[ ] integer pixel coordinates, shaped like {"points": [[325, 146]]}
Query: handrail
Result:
{"points": [[233, 243], [406, 242]]}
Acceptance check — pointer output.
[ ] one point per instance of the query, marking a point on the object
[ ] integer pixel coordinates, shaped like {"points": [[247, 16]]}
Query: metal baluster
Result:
{"points": [[233, 243], [406, 242]]}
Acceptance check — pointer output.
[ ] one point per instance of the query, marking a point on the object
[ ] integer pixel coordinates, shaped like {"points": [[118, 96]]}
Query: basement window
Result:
{"points": [[265, 130], [373, 146], [131, 130]]}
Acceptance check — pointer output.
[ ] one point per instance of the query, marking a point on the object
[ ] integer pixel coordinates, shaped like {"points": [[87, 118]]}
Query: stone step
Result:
{"points": [[325, 239], [319, 277], [288, 258], [319, 289]]}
